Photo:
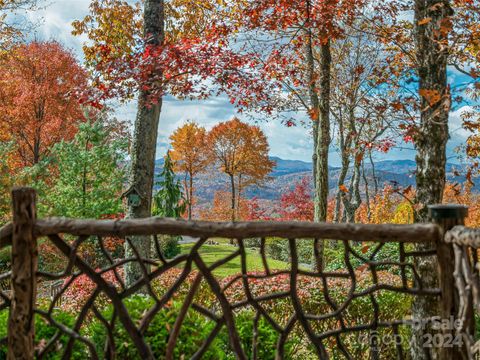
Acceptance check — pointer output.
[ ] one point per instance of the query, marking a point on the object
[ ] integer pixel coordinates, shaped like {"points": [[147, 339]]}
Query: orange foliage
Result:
{"points": [[189, 152], [221, 209], [241, 151], [189, 148], [40, 87], [456, 194]]}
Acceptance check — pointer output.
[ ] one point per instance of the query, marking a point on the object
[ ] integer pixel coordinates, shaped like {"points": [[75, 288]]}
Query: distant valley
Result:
{"points": [[287, 172]]}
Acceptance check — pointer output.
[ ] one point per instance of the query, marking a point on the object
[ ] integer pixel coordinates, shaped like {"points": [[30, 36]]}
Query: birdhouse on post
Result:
{"points": [[133, 197]]}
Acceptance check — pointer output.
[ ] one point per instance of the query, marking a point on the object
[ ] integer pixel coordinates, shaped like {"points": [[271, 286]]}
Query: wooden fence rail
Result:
{"points": [[327, 325], [203, 229]]}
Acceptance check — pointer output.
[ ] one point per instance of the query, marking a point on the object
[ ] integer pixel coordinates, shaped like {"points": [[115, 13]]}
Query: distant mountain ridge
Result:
{"points": [[286, 173]]}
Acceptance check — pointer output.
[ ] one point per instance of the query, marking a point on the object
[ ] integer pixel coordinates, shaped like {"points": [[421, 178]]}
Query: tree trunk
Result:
{"points": [[21, 321], [320, 115], [367, 191], [314, 102], [232, 182], [36, 150], [232, 215], [190, 197], [341, 181], [323, 136], [239, 195], [84, 181], [345, 147], [187, 192], [374, 174], [352, 200], [323, 142], [431, 140], [144, 144]]}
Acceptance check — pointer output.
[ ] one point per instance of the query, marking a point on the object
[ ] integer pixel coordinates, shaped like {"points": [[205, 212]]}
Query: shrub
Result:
{"points": [[169, 246], [82, 288], [334, 255], [115, 246], [278, 249], [194, 331], [254, 243], [267, 338], [44, 332], [392, 306]]}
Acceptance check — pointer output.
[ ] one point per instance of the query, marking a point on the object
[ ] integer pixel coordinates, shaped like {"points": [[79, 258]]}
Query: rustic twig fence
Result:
{"points": [[327, 329]]}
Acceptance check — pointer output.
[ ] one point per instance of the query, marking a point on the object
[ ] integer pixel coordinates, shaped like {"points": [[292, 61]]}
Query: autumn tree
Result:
{"points": [[256, 211], [364, 108], [456, 37], [295, 66], [145, 141], [7, 179], [241, 152], [221, 208], [297, 204], [389, 206], [40, 93], [171, 50], [189, 152], [247, 209], [290, 42], [119, 36], [422, 65]]}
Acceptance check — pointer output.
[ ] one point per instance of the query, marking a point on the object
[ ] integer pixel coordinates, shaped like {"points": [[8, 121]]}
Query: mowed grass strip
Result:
{"points": [[213, 253]]}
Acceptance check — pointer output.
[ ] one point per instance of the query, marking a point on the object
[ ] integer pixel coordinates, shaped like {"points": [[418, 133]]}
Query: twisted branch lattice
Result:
{"points": [[366, 272], [466, 244]]}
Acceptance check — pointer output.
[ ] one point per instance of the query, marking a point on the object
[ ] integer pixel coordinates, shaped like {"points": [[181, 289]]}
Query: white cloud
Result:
{"points": [[54, 19], [457, 132]]}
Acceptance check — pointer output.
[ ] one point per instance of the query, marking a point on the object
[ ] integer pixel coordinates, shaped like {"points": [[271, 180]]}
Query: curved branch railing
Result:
{"points": [[339, 311]]}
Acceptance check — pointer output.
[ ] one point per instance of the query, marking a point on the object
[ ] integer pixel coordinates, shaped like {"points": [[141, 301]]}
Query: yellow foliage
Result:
{"points": [[388, 207], [456, 194]]}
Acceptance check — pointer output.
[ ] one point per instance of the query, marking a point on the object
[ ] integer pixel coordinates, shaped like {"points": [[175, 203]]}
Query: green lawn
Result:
{"points": [[213, 253]]}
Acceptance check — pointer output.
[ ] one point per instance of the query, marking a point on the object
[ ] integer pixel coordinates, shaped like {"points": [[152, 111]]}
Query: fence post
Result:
{"points": [[21, 326], [447, 216]]}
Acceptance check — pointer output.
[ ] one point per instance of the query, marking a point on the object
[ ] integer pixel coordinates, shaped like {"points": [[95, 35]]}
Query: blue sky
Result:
{"points": [[54, 22]]}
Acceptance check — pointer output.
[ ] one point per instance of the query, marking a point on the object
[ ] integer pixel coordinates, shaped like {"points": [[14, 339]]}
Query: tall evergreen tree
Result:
{"points": [[6, 180], [90, 176], [169, 202]]}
